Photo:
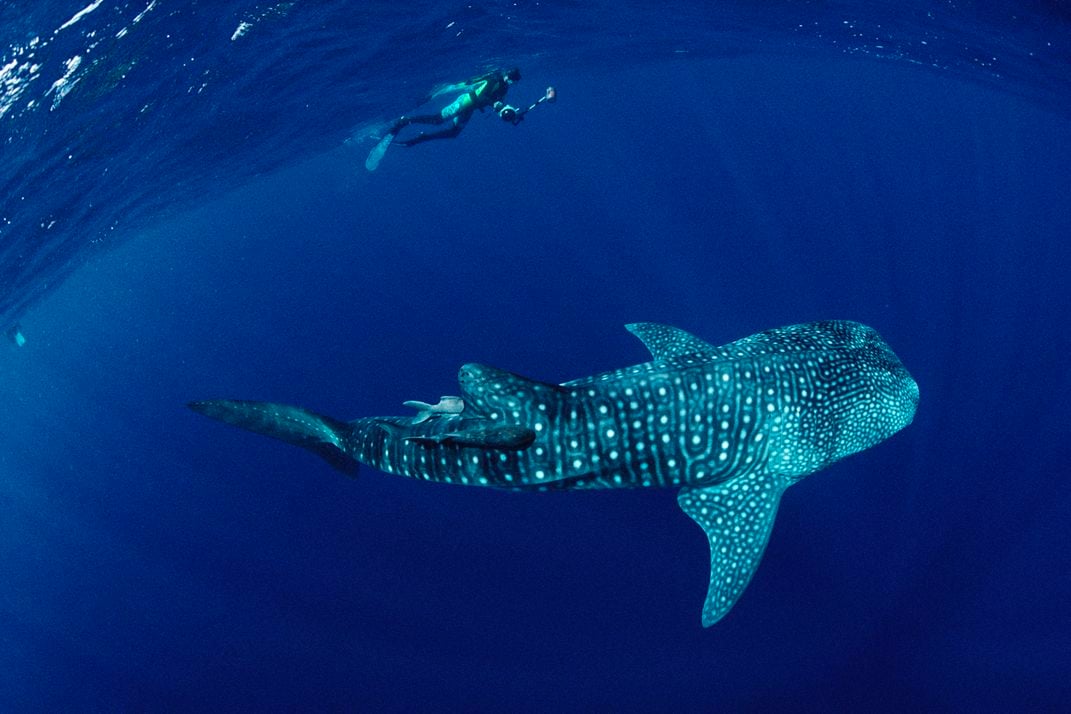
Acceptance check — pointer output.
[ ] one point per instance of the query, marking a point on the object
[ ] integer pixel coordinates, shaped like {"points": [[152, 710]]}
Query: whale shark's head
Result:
{"points": [[871, 395], [896, 393]]}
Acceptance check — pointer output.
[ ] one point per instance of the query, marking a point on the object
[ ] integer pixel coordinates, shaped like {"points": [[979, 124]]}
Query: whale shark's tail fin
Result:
{"points": [[294, 425]]}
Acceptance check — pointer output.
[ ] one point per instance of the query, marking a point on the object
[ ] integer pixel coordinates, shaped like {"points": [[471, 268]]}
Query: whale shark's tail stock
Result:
{"points": [[319, 434]]}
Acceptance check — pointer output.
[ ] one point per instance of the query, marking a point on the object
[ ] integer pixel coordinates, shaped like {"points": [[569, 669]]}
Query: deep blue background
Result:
{"points": [[154, 560]]}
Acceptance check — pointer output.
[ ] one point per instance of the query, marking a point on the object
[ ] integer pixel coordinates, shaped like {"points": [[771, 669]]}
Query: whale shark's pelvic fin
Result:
{"points": [[473, 434], [294, 425], [737, 516], [665, 341], [501, 438]]}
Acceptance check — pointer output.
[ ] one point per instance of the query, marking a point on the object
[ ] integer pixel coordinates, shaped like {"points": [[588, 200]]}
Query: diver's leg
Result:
{"points": [[458, 125], [418, 119], [423, 136]]}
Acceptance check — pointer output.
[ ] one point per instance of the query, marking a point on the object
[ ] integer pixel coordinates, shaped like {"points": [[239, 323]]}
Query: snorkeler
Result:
{"points": [[478, 93], [486, 91]]}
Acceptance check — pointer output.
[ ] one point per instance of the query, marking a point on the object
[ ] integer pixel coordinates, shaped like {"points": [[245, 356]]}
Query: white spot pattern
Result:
{"points": [[734, 425]]}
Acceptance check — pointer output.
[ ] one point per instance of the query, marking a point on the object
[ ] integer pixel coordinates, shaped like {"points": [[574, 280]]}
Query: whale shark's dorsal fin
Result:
{"points": [[665, 341], [737, 515]]}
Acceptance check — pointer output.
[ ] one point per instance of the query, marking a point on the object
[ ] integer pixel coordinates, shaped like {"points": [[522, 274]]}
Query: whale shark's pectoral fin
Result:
{"points": [[737, 516], [665, 341]]}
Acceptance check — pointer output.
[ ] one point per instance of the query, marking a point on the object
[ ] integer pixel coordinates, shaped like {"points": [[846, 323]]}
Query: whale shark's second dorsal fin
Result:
{"points": [[500, 395], [665, 341]]}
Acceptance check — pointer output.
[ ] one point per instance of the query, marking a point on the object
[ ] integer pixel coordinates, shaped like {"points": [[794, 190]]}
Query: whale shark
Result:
{"points": [[731, 427]]}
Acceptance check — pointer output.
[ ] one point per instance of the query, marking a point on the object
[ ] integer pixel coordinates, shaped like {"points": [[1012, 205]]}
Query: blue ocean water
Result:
{"points": [[185, 214]]}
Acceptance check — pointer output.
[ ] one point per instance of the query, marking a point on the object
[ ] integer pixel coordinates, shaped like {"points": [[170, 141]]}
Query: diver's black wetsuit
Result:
{"points": [[482, 92]]}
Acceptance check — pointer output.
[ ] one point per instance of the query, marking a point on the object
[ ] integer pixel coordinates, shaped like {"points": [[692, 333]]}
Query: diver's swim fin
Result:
{"points": [[294, 425], [15, 335], [377, 152]]}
